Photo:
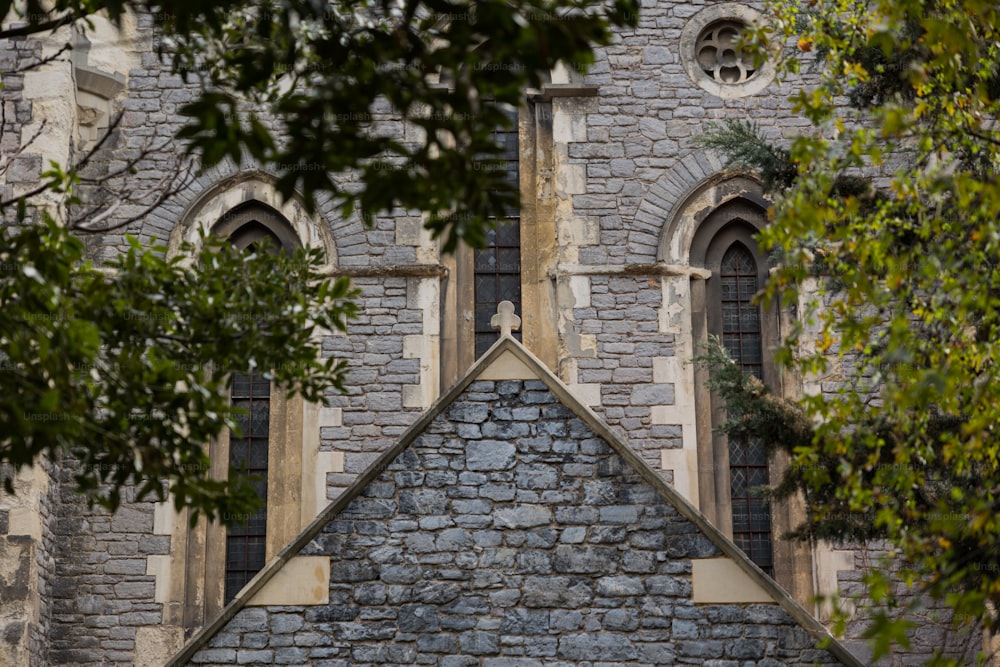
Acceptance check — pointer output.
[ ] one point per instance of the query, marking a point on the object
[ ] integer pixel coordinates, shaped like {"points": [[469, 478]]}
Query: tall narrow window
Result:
{"points": [[498, 266], [741, 336], [251, 229], [246, 544]]}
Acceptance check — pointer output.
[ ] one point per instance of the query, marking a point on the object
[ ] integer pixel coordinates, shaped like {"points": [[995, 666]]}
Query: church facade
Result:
{"points": [[562, 500]]}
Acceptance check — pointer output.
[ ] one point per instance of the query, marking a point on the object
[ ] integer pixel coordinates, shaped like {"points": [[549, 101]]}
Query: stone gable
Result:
{"points": [[509, 534]]}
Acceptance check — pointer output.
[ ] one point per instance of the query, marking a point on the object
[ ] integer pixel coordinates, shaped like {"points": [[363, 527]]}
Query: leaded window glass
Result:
{"points": [[248, 457], [497, 271], [742, 338]]}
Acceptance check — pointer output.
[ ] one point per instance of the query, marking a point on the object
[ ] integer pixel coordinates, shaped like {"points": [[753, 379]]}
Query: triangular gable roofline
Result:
{"points": [[507, 344]]}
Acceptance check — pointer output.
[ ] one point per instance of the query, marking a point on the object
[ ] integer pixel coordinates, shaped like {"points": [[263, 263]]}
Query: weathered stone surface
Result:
{"points": [[566, 569]]}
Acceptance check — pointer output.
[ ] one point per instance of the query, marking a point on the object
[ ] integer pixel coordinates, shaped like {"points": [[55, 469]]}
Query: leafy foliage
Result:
{"points": [[330, 71], [128, 368], [902, 325]]}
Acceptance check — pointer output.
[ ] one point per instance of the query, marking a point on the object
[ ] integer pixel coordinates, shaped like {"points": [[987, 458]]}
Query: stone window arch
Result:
{"points": [[748, 332], [193, 583], [704, 222]]}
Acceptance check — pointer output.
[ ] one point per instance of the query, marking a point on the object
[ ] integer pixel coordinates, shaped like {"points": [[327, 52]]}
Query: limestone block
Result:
{"points": [[155, 644], [722, 581], [304, 580]]}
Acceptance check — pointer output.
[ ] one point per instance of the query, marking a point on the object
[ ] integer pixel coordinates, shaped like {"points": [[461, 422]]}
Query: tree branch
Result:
{"points": [[32, 29]]}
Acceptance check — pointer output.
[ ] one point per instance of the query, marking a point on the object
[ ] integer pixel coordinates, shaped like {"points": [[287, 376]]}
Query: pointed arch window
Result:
{"points": [[252, 227], [723, 306], [748, 467]]}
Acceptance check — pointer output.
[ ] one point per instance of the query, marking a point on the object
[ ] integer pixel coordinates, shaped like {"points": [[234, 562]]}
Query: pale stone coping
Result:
{"points": [[684, 464], [326, 463], [658, 269], [408, 231], [722, 581], [572, 179], [507, 367], [164, 516], [551, 91], [563, 393], [588, 393], [580, 286], [25, 521], [426, 348], [414, 396], [303, 581], [829, 561]]}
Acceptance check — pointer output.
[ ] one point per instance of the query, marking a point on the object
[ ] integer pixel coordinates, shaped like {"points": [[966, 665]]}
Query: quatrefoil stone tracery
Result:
{"points": [[718, 56]]}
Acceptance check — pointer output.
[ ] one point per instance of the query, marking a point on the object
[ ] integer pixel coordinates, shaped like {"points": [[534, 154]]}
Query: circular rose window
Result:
{"points": [[718, 56], [711, 57]]}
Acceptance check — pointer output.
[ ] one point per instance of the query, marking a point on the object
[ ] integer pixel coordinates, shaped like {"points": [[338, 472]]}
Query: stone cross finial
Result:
{"points": [[505, 320]]}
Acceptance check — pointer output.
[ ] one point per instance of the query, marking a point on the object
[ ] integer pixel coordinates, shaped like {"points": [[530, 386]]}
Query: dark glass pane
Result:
{"points": [[508, 233], [484, 313], [737, 451], [731, 317], [761, 548], [486, 289], [751, 352], [241, 385], [238, 453], [258, 455], [756, 453], [509, 260], [259, 417], [510, 289], [760, 516], [248, 455], [738, 483], [486, 260], [732, 345], [261, 386], [748, 287]]}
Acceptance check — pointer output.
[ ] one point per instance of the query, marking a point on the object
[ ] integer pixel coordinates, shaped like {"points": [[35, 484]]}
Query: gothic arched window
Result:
{"points": [[741, 335], [725, 244], [251, 228]]}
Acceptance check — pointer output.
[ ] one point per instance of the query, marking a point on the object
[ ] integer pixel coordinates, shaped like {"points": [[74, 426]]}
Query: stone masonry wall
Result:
{"points": [[509, 535], [372, 405], [25, 169], [623, 318], [101, 592]]}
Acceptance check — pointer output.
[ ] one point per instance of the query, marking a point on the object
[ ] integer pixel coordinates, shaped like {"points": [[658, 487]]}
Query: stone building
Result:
{"points": [[561, 501]]}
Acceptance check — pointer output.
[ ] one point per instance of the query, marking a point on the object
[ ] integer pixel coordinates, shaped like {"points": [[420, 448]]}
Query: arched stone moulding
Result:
{"points": [[209, 207], [679, 231]]}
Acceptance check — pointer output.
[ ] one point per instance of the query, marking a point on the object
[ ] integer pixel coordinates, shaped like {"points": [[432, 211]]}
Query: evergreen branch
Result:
{"points": [[744, 149]]}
